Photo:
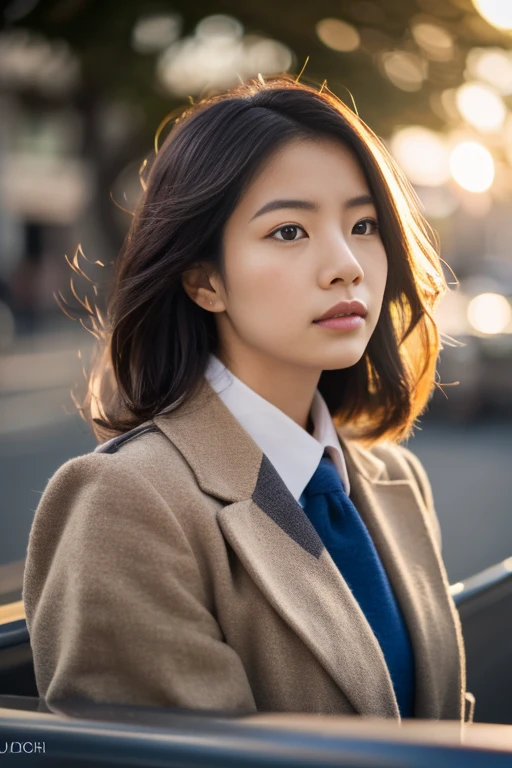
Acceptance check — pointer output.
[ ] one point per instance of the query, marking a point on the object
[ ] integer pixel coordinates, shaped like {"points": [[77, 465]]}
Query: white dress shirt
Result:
{"points": [[294, 453]]}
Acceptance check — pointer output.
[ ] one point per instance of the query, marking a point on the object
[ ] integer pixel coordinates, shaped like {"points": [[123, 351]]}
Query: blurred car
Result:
{"points": [[478, 314], [84, 734]]}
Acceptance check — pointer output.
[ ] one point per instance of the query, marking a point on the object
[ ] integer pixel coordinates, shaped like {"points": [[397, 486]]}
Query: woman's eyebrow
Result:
{"points": [[308, 205]]}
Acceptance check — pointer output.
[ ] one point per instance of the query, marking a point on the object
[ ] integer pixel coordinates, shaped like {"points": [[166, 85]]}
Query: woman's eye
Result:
{"points": [[365, 227], [288, 231]]}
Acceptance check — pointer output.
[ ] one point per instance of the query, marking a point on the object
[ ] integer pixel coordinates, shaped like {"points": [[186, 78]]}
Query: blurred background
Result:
{"points": [[84, 86]]}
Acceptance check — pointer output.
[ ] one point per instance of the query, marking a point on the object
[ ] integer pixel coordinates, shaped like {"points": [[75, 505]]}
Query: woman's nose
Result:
{"points": [[343, 264]]}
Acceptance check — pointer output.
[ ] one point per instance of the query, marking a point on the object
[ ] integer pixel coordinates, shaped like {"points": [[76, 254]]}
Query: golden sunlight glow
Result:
{"points": [[496, 12], [217, 55], [451, 313], [481, 106], [472, 166], [489, 313], [493, 66], [12, 612], [422, 154], [438, 202], [338, 35], [405, 70], [435, 41], [508, 139], [447, 98]]}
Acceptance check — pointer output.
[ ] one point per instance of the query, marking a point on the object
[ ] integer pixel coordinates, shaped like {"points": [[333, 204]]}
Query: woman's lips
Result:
{"points": [[348, 323]]}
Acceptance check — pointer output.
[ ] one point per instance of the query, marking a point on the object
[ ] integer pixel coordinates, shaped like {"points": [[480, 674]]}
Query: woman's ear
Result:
{"points": [[197, 285]]}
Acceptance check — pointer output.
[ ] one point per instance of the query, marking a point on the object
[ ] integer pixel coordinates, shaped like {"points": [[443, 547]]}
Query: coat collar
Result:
{"points": [[294, 452], [282, 552], [212, 440]]}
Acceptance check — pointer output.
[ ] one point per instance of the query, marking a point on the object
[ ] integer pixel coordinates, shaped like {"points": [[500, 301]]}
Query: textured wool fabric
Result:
{"points": [[346, 538], [293, 452], [174, 568]]}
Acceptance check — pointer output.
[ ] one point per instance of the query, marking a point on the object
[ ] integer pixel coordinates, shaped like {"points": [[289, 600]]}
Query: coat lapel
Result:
{"points": [[281, 550], [418, 578], [283, 554]]}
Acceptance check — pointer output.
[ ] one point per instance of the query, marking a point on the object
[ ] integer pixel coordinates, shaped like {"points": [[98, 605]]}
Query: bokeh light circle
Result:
{"points": [[472, 166], [481, 106], [496, 12], [489, 313]]}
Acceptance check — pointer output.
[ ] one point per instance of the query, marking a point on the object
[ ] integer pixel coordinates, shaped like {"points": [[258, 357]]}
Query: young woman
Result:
{"points": [[252, 537]]}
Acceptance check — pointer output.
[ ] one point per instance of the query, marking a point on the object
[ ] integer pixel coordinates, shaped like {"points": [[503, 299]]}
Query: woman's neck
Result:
{"points": [[288, 388]]}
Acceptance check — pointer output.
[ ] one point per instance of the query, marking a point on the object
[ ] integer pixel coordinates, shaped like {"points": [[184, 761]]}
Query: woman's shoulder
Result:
{"points": [[143, 449], [136, 471], [139, 488], [115, 443]]}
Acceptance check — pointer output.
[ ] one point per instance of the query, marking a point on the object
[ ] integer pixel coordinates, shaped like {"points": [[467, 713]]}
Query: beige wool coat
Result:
{"points": [[172, 567]]}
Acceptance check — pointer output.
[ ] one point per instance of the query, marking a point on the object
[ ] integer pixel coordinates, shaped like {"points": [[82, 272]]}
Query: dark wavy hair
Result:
{"points": [[155, 341]]}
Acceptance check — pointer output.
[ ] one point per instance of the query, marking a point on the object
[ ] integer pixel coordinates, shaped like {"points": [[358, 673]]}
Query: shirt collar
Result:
{"points": [[294, 453]]}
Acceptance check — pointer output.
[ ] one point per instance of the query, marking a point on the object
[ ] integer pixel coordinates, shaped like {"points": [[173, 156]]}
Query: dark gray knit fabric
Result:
{"points": [[274, 498]]}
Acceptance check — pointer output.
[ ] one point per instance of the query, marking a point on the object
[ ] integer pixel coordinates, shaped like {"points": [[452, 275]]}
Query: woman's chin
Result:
{"points": [[348, 358]]}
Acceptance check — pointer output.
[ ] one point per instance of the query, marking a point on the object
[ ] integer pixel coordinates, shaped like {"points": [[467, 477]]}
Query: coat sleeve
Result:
{"points": [[115, 605]]}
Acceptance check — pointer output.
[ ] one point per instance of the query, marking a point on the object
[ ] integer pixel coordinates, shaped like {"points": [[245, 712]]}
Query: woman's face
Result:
{"points": [[288, 266]]}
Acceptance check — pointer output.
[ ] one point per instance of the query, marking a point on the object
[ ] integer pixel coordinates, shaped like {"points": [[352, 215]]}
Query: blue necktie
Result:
{"points": [[346, 538]]}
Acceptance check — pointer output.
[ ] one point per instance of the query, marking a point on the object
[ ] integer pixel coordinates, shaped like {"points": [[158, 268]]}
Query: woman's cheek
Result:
{"points": [[264, 285]]}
